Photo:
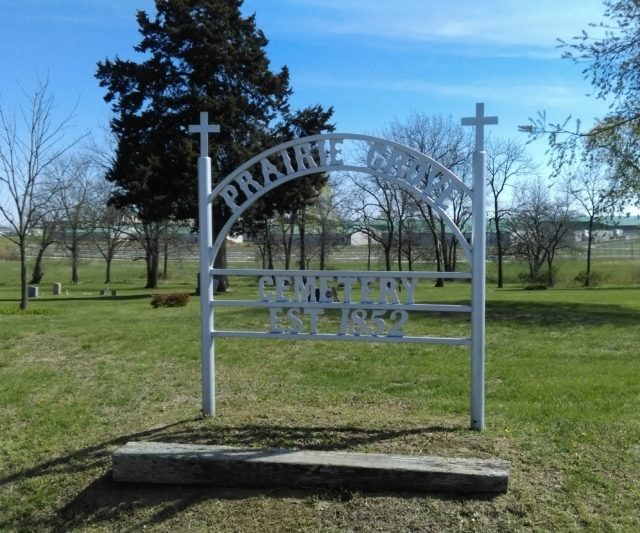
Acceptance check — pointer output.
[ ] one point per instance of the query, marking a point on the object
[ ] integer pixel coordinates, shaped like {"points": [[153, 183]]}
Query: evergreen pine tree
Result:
{"points": [[196, 55]]}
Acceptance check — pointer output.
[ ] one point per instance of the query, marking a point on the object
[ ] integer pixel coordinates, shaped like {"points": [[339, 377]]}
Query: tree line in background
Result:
{"points": [[528, 220], [203, 54]]}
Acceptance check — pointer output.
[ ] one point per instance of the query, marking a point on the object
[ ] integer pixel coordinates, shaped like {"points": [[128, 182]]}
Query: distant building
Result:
{"points": [[359, 238], [607, 229], [600, 235]]}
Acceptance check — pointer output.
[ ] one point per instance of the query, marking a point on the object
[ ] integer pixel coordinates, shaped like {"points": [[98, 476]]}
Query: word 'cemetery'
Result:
{"points": [[301, 289], [308, 290]]}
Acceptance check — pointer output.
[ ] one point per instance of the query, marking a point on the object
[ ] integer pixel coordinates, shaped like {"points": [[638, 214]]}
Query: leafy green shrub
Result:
{"points": [[176, 299], [595, 278], [536, 287], [8, 252], [536, 283]]}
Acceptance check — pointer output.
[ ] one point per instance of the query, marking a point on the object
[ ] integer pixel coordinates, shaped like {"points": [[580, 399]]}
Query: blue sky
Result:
{"points": [[374, 61]]}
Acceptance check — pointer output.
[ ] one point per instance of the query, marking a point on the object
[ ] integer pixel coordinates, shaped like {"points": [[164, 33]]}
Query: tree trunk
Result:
{"points": [[498, 243], [303, 248], [400, 243], [453, 254], [532, 270], [431, 223], [287, 242], [438, 253], [107, 277], [220, 261], [152, 270], [37, 274], [263, 256], [444, 247], [500, 256], [269, 248], [410, 257], [165, 265], [152, 256], [387, 257], [587, 277], [440, 281], [75, 253], [24, 297], [323, 248], [550, 277]]}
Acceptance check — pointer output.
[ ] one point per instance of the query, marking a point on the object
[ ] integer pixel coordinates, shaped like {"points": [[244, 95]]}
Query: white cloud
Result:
{"points": [[495, 22], [535, 95]]}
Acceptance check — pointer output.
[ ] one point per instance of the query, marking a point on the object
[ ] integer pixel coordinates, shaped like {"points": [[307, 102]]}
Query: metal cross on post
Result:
{"points": [[478, 267], [205, 221], [204, 129], [479, 121]]}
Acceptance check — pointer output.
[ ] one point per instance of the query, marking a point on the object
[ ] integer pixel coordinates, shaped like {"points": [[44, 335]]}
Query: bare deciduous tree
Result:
{"points": [[49, 227], [376, 211], [111, 227], [75, 197], [507, 160], [413, 248], [539, 228], [326, 218], [448, 143], [263, 233], [590, 189], [27, 149]]}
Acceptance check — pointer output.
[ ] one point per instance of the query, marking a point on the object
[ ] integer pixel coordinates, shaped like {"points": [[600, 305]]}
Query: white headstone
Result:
{"points": [[32, 292], [57, 289]]}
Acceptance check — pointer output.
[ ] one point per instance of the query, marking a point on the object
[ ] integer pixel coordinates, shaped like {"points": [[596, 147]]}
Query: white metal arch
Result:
{"points": [[415, 172], [409, 169]]}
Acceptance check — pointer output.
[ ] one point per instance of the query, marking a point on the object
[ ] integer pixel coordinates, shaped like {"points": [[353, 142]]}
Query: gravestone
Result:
{"points": [[32, 292], [57, 289]]}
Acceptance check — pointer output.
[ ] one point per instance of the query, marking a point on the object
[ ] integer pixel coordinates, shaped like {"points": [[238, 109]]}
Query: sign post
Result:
{"points": [[205, 221], [478, 246], [375, 306]]}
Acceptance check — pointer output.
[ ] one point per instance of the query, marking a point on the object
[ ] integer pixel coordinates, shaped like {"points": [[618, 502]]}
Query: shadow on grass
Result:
{"points": [[556, 314], [561, 314], [103, 502]]}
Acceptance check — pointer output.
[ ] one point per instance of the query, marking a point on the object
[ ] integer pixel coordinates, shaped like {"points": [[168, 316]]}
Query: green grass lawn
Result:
{"points": [[82, 374]]}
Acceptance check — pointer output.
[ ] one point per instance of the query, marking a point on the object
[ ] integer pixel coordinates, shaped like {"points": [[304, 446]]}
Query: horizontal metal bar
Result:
{"points": [[434, 308], [460, 341], [339, 273]]}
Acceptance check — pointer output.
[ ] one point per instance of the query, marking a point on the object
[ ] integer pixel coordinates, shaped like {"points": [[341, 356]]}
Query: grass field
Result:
{"points": [[82, 374]]}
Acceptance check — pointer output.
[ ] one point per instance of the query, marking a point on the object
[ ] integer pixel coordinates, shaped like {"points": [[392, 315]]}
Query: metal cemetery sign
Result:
{"points": [[375, 306]]}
